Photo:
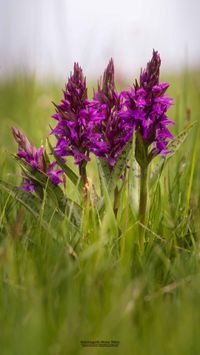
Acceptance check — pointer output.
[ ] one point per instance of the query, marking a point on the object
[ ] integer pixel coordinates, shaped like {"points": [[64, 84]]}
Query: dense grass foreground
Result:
{"points": [[61, 286]]}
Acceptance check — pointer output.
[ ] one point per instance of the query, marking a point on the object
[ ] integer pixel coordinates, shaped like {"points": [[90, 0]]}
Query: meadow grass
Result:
{"points": [[60, 286]]}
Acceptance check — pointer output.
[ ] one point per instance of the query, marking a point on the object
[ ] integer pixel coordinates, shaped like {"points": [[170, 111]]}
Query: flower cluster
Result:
{"points": [[146, 104], [104, 125], [76, 130], [116, 129], [35, 157]]}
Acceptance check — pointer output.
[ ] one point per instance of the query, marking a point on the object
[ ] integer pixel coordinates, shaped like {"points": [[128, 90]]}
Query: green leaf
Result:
{"points": [[111, 176], [173, 147], [69, 172], [120, 165], [140, 151], [105, 204], [46, 158], [104, 172], [157, 171]]}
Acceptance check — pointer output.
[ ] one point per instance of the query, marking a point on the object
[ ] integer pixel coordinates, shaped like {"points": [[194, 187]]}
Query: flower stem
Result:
{"points": [[82, 172], [84, 179], [142, 206]]}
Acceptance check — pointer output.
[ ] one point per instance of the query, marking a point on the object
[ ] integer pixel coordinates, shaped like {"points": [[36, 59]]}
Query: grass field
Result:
{"points": [[60, 287]]}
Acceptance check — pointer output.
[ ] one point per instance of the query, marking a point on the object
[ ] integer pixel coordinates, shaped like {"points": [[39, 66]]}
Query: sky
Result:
{"points": [[47, 36]]}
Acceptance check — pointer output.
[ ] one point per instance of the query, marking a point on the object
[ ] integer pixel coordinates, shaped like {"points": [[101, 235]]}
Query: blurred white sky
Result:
{"points": [[47, 36]]}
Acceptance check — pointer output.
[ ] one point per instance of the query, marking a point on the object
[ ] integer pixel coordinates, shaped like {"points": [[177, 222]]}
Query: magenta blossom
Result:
{"points": [[34, 157], [76, 131], [116, 129], [146, 104]]}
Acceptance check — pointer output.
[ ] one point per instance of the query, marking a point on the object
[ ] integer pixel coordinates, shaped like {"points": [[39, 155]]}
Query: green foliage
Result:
{"points": [[33, 204], [69, 172], [173, 146], [110, 177], [141, 152], [45, 189]]}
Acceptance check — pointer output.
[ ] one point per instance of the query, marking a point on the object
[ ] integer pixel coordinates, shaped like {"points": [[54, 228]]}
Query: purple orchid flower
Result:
{"points": [[146, 104], [116, 129], [76, 131], [34, 157]]}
